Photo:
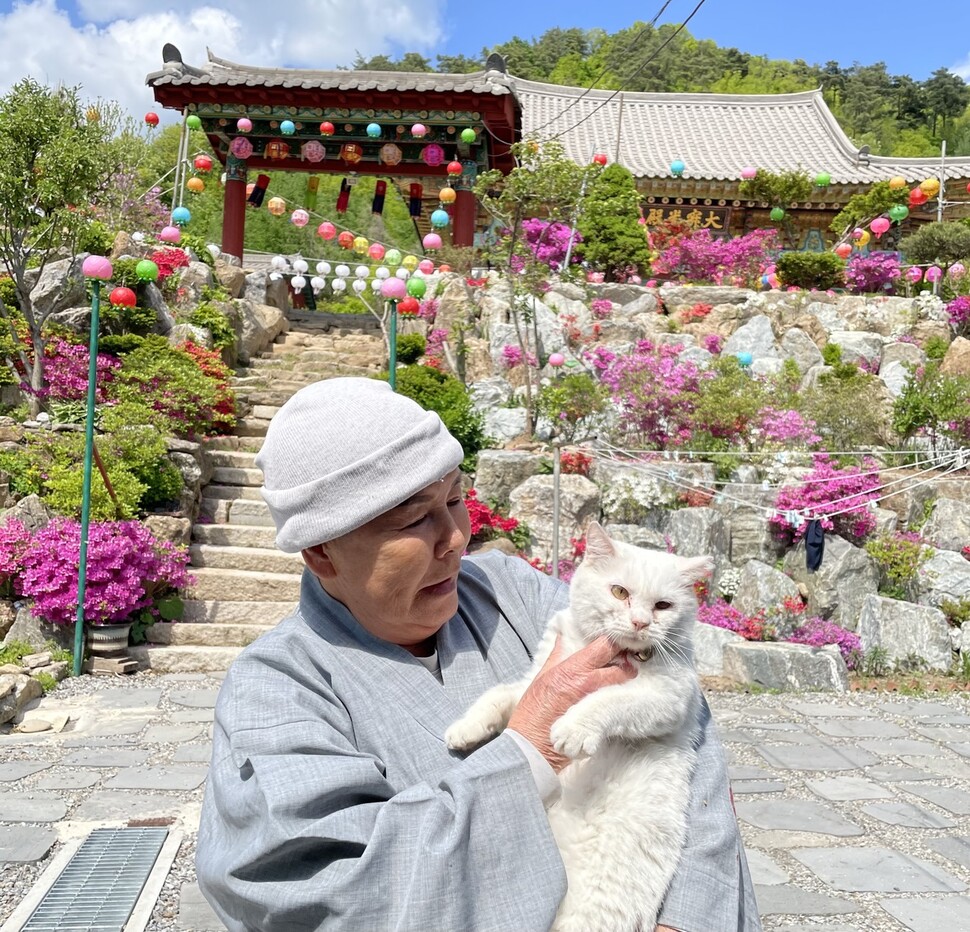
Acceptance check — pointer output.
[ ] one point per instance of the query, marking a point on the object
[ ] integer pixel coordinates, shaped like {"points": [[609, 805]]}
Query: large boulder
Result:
{"points": [[796, 344], [837, 590], [689, 295], [59, 285], [16, 690], [957, 358], [755, 337], [911, 504], [645, 303], [257, 326], [621, 293], [859, 346], [176, 531], [192, 279], [762, 587], [500, 471], [948, 526], [196, 469], [579, 504], [506, 424], [909, 354], [905, 632], [697, 532], [786, 666], [263, 288], [944, 577], [894, 376], [743, 506], [150, 296], [231, 277], [184, 333], [637, 536], [36, 632], [709, 644], [30, 511], [493, 392]]}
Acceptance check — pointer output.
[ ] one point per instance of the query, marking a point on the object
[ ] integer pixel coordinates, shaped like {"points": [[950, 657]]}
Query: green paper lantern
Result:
{"points": [[823, 180], [193, 122], [417, 287], [468, 135], [777, 213], [898, 212], [147, 271], [392, 257]]}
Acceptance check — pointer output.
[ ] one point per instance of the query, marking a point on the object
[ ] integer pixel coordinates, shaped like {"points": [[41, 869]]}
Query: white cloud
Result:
{"points": [[110, 54], [963, 68]]}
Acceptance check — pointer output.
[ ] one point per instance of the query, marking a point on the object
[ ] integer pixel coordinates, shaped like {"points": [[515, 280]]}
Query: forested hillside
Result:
{"points": [[893, 114]]}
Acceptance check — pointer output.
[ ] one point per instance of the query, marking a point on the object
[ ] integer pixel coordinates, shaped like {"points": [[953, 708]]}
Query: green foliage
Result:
{"points": [[8, 294], [571, 402], [119, 344], [819, 270], [936, 347], [94, 237], [410, 348], [957, 611], [832, 354], [213, 319], [847, 407], [875, 662], [47, 682], [23, 470], [863, 207], [437, 391], [613, 238], [198, 246], [727, 405], [939, 243], [778, 189], [932, 403], [120, 319], [123, 272], [899, 560]]}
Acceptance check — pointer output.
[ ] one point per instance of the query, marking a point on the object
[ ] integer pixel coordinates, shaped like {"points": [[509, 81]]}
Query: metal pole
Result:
{"points": [[556, 448], [392, 348], [86, 479], [579, 201], [939, 199]]}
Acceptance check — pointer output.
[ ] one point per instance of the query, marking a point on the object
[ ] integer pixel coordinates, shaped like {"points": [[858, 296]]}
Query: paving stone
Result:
{"points": [[733, 736], [195, 914], [743, 787], [897, 747], [785, 841], [18, 769], [894, 773], [195, 698], [784, 900], [956, 848], [24, 843], [73, 780], [128, 757], [183, 677], [928, 712], [775, 726], [962, 749], [931, 914], [955, 801], [764, 870], [795, 736], [944, 766], [86, 742], [900, 813], [111, 805], [859, 728], [846, 788], [748, 773], [158, 778], [117, 727], [942, 733], [128, 698], [828, 927], [193, 715], [172, 734], [828, 710], [31, 807], [821, 757], [193, 754], [876, 870], [797, 815]]}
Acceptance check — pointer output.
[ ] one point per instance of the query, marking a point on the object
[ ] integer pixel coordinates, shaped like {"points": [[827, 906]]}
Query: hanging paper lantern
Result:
{"points": [[361, 245], [203, 163], [417, 287], [393, 289], [277, 149], [375, 285], [374, 130], [444, 267], [241, 147], [278, 262], [342, 271], [432, 155], [677, 168], [410, 263], [244, 124], [287, 127], [181, 216], [276, 206], [249, 187], [359, 285], [346, 240], [454, 169], [339, 285], [195, 185], [898, 212], [300, 266], [326, 128], [391, 154], [122, 297], [419, 131], [362, 271], [447, 195], [897, 183], [933, 274], [914, 274], [326, 230], [317, 284], [957, 271], [863, 241], [382, 272], [823, 180], [298, 283], [749, 173], [402, 273], [151, 118], [600, 158], [393, 257], [930, 187], [426, 267], [843, 250], [376, 252], [97, 267], [193, 122], [858, 233], [468, 135], [323, 268], [312, 151], [408, 307], [880, 225], [351, 153], [917, 197], [777, 214], [170, 234], [299, 217], [146, 271], [439, 218], [968, 188], [431, 241]]}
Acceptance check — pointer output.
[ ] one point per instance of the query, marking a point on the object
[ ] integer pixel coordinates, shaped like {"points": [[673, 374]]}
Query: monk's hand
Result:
{"points": [[560, 684]]}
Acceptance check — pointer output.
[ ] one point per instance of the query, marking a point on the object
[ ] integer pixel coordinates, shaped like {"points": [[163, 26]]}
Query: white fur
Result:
{"points": [[621, 820]]}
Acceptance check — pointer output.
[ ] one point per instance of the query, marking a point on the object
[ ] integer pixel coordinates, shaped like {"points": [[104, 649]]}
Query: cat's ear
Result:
{"points": [[598, 545], [697, 568]]}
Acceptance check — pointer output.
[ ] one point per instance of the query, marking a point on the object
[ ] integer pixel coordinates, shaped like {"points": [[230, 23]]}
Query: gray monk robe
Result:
{"points": [[333, 803]]}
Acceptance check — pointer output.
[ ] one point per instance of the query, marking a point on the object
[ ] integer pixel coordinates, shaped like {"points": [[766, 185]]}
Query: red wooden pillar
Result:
{"points": [[466, 207], [234, 208]]}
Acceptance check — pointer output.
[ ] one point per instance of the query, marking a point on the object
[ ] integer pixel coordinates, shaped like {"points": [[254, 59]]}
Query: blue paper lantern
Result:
{"points": [[181, 216], [373, 130], [287, 127], [677, 168], [745, 359], [439, 218]]}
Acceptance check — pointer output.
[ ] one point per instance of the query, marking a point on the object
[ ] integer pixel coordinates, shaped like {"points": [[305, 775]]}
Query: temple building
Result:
{"points": [[425, 131]]}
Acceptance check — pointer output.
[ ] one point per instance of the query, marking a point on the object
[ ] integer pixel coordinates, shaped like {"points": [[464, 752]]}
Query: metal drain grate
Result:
{"points": [[99, 887]]}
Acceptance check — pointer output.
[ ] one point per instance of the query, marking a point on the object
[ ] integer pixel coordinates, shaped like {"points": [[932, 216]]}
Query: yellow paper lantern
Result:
{"points": [[863, 240], [195, 185], [447, 195], [410, 263], [930, 187], [276, 206], [361, 245], [897, 183]]}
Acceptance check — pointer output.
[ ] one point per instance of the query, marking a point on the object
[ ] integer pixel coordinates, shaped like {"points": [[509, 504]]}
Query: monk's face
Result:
{"points": [[397, 574]]}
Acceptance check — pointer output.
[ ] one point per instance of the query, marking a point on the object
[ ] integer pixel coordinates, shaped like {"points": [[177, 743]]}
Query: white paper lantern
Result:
{"points": [[339, 284], [317, 284], [362, 271], [298, 282], [300, 266], [383, 272], [375, 285], [275, 276], [402, 272], [278, 262], [323, 268], [359, 285], [342, 271]]}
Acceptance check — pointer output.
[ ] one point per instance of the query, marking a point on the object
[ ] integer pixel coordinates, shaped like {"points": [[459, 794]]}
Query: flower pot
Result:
{"points": [[107, 639]]}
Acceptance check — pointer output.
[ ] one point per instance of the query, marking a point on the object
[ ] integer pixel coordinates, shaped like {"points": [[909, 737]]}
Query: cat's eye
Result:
{"points": [[620, 593], [662, 606]]}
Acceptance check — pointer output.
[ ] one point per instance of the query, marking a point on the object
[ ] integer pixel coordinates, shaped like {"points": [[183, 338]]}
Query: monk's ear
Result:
{"points": [[318, 559]]}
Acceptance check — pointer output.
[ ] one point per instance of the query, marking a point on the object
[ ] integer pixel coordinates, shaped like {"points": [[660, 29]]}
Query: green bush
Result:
{"points": [[832, 354], [410, 348], [933, 404], [214, 320], [198, 245], [819, 270], [938, 243], [8, 293], [936, 347], [117, 344], [120, 319], [24, 471], [899, 560], [570, 402], [123, 272], [437, 391], [94, 237]]}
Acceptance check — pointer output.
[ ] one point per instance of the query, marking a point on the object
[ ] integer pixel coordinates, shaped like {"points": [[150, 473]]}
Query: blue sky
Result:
{"points": [[108, 46]]}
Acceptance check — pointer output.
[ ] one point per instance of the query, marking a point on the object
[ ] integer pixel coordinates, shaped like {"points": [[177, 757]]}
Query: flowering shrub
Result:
{"points": [[875, 272], [487, 524], [548, 242], [428, 310], [713, 343], [788, 427], [829, 489], [965, 552], [168, 260], [434, 351], [817, 632], [14, 540], [210, 364], [722, 615], [601, 308], [698, 256], [729, 582], [696, 312], [575, 462], [695, 498], [899, 556], [66, 372], [958, 314], [127, 571]]}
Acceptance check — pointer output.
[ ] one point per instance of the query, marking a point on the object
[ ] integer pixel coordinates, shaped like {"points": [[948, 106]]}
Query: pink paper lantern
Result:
{"points": [[326, 230], [843, 250], [426, 266], [748, 173], [957, 271], [299, 217], [313, 151], [170, 234], [431, 241], [394, 288], [914, 274], [934, 273], [556, 359], [97, 267], [244, 124], [376, 251], [432, 155], [241, 147], [880, 225], [419, 131]]}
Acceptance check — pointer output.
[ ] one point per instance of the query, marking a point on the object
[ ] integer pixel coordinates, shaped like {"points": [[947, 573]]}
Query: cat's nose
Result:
{"points": [[640, 625]]}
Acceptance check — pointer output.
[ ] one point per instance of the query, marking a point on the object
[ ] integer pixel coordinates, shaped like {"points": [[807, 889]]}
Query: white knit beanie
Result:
{"points": [[343, 451]]}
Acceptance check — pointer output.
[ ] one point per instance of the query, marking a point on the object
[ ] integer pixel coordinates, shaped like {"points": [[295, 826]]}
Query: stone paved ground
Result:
{"points": [[855, 809]]}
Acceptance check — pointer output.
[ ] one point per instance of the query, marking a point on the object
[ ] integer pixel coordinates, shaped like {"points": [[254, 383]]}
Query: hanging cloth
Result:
{"points": [[259, 190], [343, 198], [380, 190], [414, 202], [814, 545], [312, 187]]}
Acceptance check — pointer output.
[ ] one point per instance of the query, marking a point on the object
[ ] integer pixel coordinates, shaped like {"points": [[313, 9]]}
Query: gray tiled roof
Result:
{"points": [[715, 135], [219, 72]]}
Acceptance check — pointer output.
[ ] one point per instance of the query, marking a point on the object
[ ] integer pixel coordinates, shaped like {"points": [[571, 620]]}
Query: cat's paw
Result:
{"points": [[467, 734], [572, 740]]}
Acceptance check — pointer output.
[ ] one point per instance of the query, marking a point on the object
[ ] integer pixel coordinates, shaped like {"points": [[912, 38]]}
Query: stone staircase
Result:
{"points": [[243, 584]]}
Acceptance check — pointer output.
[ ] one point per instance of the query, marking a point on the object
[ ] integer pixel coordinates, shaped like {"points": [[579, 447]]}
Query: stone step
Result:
{"points": [[184, 659], [240, 459], [252, 427], [252, 559], [233, 492], [181, 634], [233, 535], [272, 397], [267, 412], [231, 442], [245, 511], [228, 612], [243, 585], [237, 476]]}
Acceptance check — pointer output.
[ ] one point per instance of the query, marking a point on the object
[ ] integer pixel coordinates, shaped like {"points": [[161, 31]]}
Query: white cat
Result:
{"points": [[621, 820]]}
